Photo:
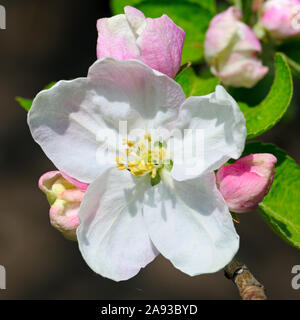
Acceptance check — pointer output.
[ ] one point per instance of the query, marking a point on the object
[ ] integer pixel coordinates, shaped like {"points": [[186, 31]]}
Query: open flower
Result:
{"points": [[245, 183], [157, 42], [158, 195], [281, 18], [64, 195], [231, 49]]}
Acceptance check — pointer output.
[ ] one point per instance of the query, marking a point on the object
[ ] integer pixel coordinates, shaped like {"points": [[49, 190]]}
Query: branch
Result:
{"points": [[249, 287]]}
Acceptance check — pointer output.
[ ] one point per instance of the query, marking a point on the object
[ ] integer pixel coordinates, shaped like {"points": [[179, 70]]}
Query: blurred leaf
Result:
{"points": [[295, 67], [208, 4], [27, 103], [190, 16], [281, 207], [265, 115], [117, 6], [292, 49], [247, 10], [50, 85], [193, 85]]}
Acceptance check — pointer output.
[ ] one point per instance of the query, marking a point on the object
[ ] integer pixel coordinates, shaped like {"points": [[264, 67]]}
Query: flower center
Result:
{"points": [[143, 157]]}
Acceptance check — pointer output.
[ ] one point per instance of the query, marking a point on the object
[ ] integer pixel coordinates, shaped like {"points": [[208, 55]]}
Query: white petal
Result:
{"points": [[214, 131], [155, 98], [189, 223], [77, 122], [112, 236]]}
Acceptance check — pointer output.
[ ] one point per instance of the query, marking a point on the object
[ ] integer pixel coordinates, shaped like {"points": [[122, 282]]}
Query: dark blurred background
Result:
{"points": [[51, 40]]}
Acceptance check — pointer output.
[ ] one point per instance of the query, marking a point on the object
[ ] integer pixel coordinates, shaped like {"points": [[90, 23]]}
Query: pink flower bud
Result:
{"points": [[281, 18], [246, 182], [64, 195], [231, 49], [156, 42]]}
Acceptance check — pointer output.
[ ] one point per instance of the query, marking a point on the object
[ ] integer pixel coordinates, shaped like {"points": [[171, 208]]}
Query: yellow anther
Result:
{"points": [[121, 166], [147, 137], [119, 159], [128, 151], [150, 166], [142, 158], [130, 143], [142, 145], [142, 165], [132, 163]]}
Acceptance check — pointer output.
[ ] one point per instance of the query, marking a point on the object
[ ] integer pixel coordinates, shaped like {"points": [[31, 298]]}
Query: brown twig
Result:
{"points": [[249, 287]]}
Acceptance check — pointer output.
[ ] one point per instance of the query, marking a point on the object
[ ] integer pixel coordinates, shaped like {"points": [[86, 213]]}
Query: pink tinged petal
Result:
{"points": [[161, 45], [156, 42], [216, 39], [231, 49], [189, 223], [112, 235], [65, 219], [72, 195], [135, 17], [245, 183], [241, 70], [64, 197], [282, 18], [80, 185], [47, 179], [152, 95], [247, 40], [116, 39]]}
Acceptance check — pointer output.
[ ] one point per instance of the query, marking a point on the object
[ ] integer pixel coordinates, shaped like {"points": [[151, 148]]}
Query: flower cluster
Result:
{"points": [[128, 195]]}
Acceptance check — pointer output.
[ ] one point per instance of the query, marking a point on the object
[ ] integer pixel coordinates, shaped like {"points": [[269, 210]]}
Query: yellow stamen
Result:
{"points": [[130, 143], [142, 145], [142, 158], [147, 137], [121, 166]]}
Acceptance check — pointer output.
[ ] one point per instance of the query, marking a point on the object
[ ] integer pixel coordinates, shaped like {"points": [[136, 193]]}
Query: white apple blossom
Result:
{"points": [[125, 220]]}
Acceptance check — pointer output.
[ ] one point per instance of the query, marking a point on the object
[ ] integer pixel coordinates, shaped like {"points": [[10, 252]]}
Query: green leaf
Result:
{"points": [[50, 85], [295, 67], [291, 48], [208, 4], [196, 86], [190, 16], [27, 103], [117, 6], [281, 207], [265, 115]]}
